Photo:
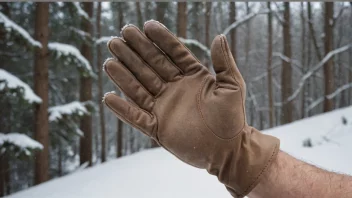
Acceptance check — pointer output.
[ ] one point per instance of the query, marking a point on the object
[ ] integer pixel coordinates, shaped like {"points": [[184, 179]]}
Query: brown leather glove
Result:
{"points": [[174, 99]]}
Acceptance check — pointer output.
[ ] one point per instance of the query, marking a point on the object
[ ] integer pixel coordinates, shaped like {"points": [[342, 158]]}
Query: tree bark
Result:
{"points": [[232, 19], [139, 15], [247, 43], [160, 11], [100, 87], [59, 164], [270, 56], [119, 143], [119, 127], [208, 6], [286, 74], [86, 92], [312, 32], [303, 57], [328, 45], [182, 19], [41, 88]]}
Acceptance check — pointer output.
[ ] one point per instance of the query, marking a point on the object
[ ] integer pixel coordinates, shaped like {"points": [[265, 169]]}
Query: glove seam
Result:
{"points": [[264, 170], [204, 122], [226, 55]]}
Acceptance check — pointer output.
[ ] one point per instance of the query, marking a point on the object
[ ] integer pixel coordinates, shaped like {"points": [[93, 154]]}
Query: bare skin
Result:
{"points": [[292, 178]]}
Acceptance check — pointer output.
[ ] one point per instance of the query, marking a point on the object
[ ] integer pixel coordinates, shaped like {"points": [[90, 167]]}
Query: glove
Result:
{"points": [[198, 117]]}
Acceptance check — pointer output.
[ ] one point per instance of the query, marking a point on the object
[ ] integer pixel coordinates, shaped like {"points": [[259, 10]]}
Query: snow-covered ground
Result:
{"points": [[157, 174]]}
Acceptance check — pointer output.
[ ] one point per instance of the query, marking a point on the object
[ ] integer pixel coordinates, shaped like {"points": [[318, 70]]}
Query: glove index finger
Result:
{"points": [[172, 47]]}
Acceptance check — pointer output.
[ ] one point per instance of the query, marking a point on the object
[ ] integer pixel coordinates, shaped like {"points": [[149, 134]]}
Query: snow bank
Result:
{"points": [[70, 50], [157, 174], [57, 112], [12, 26], [21, 141], [10, 81]]}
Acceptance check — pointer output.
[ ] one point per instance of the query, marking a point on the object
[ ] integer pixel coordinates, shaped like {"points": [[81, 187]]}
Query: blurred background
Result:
{"points": [[296, 59]]}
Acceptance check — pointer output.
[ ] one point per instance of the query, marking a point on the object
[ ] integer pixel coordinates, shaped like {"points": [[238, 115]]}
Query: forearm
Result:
{"points": [[289, 177]]}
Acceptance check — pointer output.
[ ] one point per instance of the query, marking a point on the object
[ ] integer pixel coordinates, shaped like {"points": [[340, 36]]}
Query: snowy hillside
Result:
{"points": [[157, 174]]}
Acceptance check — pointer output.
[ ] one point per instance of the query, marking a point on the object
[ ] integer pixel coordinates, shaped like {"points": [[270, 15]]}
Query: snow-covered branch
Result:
{"points": [[103, 39], [12, 26], [18, 143], [315, 69], [195, 43], [80, 11], [56, 113], [330, 96], [62, 49], [81, 33], [243, 20], [10, 81]]}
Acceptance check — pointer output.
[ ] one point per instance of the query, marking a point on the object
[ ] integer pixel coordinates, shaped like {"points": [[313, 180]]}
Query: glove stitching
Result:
{"points": [[263, 170], [226, 55], [203, 119]]}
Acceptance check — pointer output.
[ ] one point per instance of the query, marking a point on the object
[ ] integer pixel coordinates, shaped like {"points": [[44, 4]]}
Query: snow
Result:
{"points": [[10, 25], [70, 50], [80, 11], [10, 81], [155, 173], [21, 141], [106, 94], [75, 107]]}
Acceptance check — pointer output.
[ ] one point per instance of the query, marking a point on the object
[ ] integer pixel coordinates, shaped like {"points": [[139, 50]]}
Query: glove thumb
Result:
{"points": [[227, 73]]}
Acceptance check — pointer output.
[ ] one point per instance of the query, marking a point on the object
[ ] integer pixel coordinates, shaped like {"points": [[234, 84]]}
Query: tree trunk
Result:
{"points": [[160, 11], [139, 15], [232, 19], [208, 6], [119, 142], [311, 30], [329, 66], [100, 87], [182, 19], [41, 88], [286, 74], [303, 58], [270, 55], [86, 93], [59, 156], [119, 127], [196, 31], [349, 95], [247, 43], [148, 10]]}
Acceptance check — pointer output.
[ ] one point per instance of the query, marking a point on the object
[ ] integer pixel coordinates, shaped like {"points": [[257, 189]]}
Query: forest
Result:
{"points": [[296, 59]]}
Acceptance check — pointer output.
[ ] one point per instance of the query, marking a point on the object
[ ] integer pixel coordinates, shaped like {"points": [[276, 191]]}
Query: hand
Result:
{"points": [[174, 99]]}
